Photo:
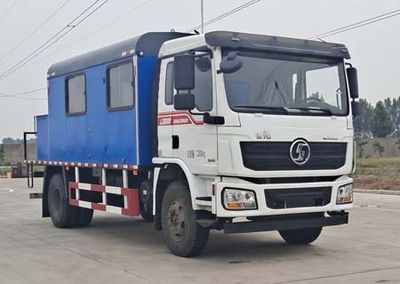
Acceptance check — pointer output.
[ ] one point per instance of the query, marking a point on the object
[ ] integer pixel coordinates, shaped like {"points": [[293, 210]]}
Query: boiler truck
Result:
{"points": [[224, 130]]}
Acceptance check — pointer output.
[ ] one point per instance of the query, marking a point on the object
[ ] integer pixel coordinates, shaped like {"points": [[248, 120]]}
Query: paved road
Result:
{"points": [[123, 250]]}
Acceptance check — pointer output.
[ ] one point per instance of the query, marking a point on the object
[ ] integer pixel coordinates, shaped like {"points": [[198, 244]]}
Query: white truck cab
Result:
{"points": [[256, 127]]}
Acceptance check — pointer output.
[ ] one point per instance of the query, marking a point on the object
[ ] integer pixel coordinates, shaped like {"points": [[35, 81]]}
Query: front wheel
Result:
{"points": [[301, 236], [184, 237]]}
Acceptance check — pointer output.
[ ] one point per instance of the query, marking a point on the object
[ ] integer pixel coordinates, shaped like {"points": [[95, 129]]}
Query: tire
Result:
{"points": [[146, 200], [85, 217], [62, 214], [301, 236], [184, 237]]}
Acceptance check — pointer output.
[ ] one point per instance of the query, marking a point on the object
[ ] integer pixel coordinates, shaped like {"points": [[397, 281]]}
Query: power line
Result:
{"points": [[28, 58], [209, 22], [134, 9], [16, 95], [8, 10], [22, 93], [226, 14], [91, 34], [54, 38], [359, 24], [11, 50], [26, 99]]}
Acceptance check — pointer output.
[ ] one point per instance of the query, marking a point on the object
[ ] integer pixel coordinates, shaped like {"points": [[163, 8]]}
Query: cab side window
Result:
{"points": [[169, 84], [203, 84], [202, 90]]}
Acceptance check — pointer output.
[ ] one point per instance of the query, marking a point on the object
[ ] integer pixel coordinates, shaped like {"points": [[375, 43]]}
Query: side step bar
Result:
{"points": [[35, 195]]}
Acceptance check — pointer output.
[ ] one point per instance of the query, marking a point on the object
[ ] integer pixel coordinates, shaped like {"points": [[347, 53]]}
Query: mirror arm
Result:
{"points": [[210, 119], [198, 113], [206, 52]]}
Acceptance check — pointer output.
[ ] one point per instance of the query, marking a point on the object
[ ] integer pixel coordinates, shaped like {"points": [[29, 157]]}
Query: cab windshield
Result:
{"points": [[287, 85]]}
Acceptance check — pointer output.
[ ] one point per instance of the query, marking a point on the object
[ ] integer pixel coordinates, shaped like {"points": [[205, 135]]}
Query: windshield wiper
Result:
{"points": [[273, 108], [285, 110], [327, 111]]}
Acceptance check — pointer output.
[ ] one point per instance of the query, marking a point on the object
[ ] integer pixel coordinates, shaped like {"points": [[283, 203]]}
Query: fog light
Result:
{"points": [[345, 194], [238, 199]]}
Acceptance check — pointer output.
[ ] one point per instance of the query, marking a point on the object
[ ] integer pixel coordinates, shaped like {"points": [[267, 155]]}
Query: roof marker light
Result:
{"points": [[128, 52]]}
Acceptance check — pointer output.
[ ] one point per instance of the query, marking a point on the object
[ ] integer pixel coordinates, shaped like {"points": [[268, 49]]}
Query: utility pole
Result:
{"points": [[202, 16]]}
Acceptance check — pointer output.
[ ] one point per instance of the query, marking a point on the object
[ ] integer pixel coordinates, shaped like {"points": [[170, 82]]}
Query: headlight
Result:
{"points": [[345, 194], [239, 199]]}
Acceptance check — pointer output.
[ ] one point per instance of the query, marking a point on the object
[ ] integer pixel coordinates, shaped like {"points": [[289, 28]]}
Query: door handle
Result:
{"points": [[175, 142]]}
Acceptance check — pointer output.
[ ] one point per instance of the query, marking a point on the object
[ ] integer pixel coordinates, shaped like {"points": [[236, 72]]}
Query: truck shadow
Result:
{"points": [[231, 248]]}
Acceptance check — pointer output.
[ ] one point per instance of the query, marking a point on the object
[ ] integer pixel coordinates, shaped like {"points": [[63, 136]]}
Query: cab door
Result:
{"points": [[192, 140]]}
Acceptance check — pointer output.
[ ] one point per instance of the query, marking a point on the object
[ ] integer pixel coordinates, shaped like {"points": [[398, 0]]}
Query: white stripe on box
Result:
{"points": [[114, 209], [113, 190], [125, 201], [84, 186], [85, 204]]}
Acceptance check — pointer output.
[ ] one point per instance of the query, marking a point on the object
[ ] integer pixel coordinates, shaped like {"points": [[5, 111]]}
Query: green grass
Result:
{"points": [[4, 170], [378, 162], [389, 167], [378, 173]]}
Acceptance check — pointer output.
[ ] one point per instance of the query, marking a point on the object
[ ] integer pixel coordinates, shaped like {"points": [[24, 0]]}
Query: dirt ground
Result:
{"points": [[378, 173], [376, 182]]}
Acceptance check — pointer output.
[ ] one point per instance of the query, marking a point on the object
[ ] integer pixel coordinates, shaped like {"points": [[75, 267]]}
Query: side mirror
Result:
{"points": [[184, 102], [184, 72], [353, 82], [230, 63], [355, 108]]}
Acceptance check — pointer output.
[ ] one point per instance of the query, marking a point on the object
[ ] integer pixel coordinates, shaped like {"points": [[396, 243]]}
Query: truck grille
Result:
{"points": [[298, 197], [274, 156]]}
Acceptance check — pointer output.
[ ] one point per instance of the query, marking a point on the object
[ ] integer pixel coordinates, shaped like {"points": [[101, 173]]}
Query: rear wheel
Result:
{"points": [[62, 214], [301, 236], [181, 232]]}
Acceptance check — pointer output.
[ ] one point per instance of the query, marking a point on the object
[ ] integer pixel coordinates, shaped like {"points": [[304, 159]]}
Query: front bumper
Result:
{"points": [[264, 210], [277, 223]]}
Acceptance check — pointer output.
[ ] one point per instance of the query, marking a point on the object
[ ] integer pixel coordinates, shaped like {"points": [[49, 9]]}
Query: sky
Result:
{"points": [[375, 49]]}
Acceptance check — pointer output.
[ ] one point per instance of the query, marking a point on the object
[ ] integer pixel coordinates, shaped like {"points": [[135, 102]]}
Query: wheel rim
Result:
{"points": [[176, 219]]}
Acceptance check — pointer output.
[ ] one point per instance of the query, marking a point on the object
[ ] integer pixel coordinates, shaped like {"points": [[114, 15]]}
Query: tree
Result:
{"points": [[360, 146], [381, 123], [378, 148], [9, 140], [393, 107], [1, 154], [362, 121]]}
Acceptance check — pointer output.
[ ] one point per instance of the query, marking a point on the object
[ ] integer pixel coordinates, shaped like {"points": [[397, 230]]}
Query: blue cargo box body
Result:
{"points": [[42, 127], [100, 135]]}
